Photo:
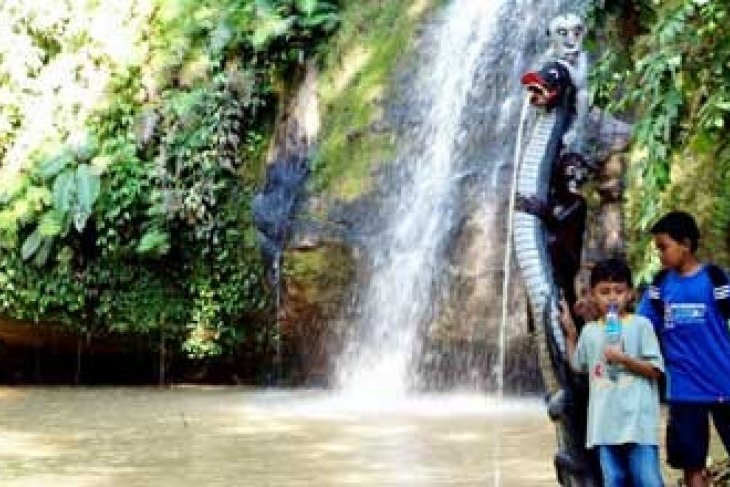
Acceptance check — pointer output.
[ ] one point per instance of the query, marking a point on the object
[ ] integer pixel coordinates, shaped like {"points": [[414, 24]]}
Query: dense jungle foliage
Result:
{"points": [[668, 71], [132, 135]]}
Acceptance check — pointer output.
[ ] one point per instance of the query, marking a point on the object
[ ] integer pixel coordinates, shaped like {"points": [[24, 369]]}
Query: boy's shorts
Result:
{"points": [[688, 432]]}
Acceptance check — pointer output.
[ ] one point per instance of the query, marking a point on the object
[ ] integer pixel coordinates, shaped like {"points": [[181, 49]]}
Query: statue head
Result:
{"points": [[547, 86], [566, 34]]}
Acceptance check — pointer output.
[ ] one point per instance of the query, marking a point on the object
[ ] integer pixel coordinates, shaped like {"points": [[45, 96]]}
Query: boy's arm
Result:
{"points": [[649, 364], [571, 334], [638, 366]]}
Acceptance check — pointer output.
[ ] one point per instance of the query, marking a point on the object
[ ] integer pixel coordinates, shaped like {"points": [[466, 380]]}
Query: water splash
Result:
{"points": [[398, 298]]}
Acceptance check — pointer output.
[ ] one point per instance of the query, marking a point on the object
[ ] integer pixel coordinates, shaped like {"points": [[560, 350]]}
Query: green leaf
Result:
{"points": [[326, 21], [307, 6], [64, 191], [87, 148], [269, 27], [154, 241], [88, 185], [31, 244], [50, 224], [80, 218], [702, 143], [54, 165], [41, 257]]}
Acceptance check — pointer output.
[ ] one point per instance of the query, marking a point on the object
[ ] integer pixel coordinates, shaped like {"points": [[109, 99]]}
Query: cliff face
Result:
{"points": [[369, 100], [365, 95], [340, 117]]}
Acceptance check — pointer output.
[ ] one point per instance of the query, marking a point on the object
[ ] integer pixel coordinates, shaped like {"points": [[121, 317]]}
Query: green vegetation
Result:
{"points": [[669, 67], [357, 74], [132, 134], [323, 273]]}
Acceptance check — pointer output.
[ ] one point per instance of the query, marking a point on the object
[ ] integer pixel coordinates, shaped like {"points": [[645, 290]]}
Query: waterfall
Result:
{"points": [[465, 103]]}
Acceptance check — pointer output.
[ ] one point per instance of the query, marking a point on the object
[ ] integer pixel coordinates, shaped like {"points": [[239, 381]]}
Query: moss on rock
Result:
{"points": [[356, 79]]}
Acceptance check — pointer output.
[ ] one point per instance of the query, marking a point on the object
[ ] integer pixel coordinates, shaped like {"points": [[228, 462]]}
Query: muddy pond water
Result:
{"points": [[210, 436]]}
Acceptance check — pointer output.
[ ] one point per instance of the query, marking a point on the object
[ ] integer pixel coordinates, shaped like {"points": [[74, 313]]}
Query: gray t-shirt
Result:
{"points": [[625, 410]]}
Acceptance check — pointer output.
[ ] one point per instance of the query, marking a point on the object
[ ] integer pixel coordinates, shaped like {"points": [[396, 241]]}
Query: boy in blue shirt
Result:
{"points": [[623, 398], [685, 304]]}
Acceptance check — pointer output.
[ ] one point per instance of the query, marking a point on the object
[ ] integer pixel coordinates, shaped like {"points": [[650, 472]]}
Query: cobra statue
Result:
{"points": [[548, 229]]}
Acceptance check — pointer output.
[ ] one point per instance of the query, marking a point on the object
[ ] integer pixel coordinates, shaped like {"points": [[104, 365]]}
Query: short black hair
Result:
{"points": [[611, 270], [679, 225]]}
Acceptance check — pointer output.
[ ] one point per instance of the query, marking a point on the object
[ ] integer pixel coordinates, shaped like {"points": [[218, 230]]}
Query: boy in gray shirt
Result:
{"points": [[623, 407]]}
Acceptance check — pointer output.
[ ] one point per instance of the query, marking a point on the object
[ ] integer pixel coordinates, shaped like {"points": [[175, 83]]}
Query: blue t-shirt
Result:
{"points": [[694, 336]]}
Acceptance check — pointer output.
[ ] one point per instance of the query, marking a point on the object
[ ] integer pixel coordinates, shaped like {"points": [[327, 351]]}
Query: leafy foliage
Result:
{"points": [[679, 88], [132, 136]]}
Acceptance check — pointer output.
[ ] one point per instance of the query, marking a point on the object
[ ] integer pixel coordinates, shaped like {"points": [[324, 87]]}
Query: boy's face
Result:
{"points": [[672, 254], [605, 293]]}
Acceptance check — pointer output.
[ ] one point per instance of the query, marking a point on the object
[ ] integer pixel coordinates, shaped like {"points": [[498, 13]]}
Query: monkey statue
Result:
{"points": [[566, 34]]}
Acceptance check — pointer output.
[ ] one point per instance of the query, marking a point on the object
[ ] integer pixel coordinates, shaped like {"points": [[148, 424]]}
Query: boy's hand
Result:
{"points": [[566, 321], [586, 309], [614, 353]]}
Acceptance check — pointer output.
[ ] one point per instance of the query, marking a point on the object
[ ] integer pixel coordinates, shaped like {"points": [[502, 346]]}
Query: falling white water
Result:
{"points": [[398, 298]]}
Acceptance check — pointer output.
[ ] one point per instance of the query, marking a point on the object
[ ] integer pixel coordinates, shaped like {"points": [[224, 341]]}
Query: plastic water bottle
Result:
{"points": [[613, 337]]}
